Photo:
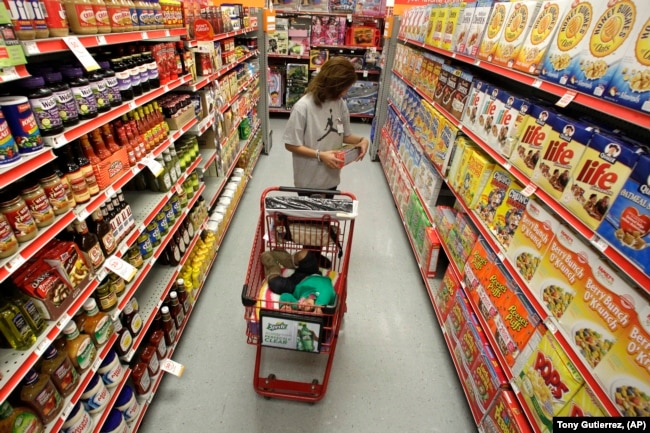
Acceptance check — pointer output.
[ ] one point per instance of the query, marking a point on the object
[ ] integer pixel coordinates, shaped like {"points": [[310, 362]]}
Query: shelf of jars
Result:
{"points": [[12, 73], [194, 43], [629, 268], [53, 45], [100, 417], [598, 104]]}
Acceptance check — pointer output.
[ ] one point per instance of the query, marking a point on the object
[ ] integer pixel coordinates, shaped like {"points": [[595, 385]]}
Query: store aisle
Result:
{"points": [[392, 371]]}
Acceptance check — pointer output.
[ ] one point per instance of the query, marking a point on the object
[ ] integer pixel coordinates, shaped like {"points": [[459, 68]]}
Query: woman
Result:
{"points": [[319, 124]]}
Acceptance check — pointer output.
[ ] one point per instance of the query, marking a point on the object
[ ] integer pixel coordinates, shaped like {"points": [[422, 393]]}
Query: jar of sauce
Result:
{"points": [[105, 296], [111, 370], [16, 419], [81, 16], [20, 219], [38, 204], [141, 378], [134, 257], [38, 392], [117, 284], [168, 326], [145, 246], [98, 325], [131, 319], [149, 357], [157, 340], [124, 338], [80, 347], [8, 241], [56, 193], [59, 368], [83, 93]]}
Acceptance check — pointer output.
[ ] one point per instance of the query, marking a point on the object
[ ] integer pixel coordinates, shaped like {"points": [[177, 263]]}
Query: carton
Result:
{"points": [[598, 177], [486, 378], [446, 293], [454, 13], [348, 154], [583, 404], [463, 28], [508, 215], [430, 252], [460, 96], [464, 147], [475, 102], [627, 225], [440, 25], [445, 144], [493, 195], [494, 30], [443, 92], [535, 133], [516, 29], [560, 154], [477, 27], [432, 23], [505, 415], [507, 120], [477, 173], [533, 50]]}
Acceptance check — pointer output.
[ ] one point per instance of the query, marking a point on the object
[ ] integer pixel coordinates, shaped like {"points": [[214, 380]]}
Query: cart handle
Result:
{"points": [[309, 190]]}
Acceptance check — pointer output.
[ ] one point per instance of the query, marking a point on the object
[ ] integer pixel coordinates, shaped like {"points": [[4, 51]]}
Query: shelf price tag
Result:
{"points": [[529, 190], [81, 53], [31, 47], [172, 367], [566, 98], [599, 243], [15, 263], [63, 321], [42, 346], [537, 83], [155, 167], [101, 40], [365, 74], [9, 74], [101, 273], [121, 268], [82, 214]]}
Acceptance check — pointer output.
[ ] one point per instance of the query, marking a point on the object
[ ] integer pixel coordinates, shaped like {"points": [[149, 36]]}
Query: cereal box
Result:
{"points": [[517, 26], [446, 293], [566, 46], [534, 233], [442, 85], [548, 381], [458, 316], [477, 174], [535, 132], [560, 153], [462, 28], [545, 25], [442, 150], [486, 377], [507, 120], [627, 225], [470, 341], [477, 27], [508, 215], [505, 415], [615, 28], [432, 23], [479, 261], [493, 195], [431, 127], [493, 31], [460, 97], [583, 404], [474, 106], [453, 16], [449, 93], [459, 160], [440, 25], [598, 177]]}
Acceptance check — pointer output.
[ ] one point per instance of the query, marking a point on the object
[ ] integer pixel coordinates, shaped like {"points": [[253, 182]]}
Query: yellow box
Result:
{"points": [[440, 25], [517, 27], [493, 31], [584, 403], [534, 134], [459, 160], [453, 17], [431, 25], [476, 174], [493, 196]]}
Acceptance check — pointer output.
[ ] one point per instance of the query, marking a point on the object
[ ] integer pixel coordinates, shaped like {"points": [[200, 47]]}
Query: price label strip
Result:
{"points": [[566, 99], [81, 53], [121, 268], [172, 367]]}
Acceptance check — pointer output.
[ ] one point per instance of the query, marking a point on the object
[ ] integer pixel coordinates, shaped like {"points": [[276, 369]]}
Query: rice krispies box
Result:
{"points": [[505, 415], [477, 27], [627, 225], [547, 381], [541, 35], [534, 134], [560, 154], [605, 166], [507, 113], [462, 28], [517, 26], [493, 30], [531, 239]]}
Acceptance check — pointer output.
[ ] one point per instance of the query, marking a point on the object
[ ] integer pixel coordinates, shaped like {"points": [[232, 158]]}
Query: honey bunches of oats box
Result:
{"points": [[545, 25], [534, 134], [493, 31], [627, 225], [599, 176], [517, 26], [560, 153]]}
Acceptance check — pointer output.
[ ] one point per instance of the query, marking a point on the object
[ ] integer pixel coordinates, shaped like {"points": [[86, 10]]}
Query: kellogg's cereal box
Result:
{"points": [[534, 134], [598, 177], [627, 225], [506, 118], [493, 195], [505, 415], [517, 26], [545, 25], [509, 214], [493, 31], [477, 173], [560, 153], [477, 27], [454, 13], [567, 44], [531, 239], [548, 381], [462, 28]]}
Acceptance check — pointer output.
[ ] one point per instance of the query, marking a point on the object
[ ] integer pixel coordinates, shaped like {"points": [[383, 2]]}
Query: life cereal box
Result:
{"points": [[615, 28], [477, 27], [561, 152], [517, 26], [462, 28], [583, 404], [548, 381], [504, 110], [531, 239], [494, 30], [599, 176], [453, 16], [535, 132], [477, 174], [627, 225], [566, 45], [505, 415], [545, 25], [474, 106], [493, 195], [508, 215]]}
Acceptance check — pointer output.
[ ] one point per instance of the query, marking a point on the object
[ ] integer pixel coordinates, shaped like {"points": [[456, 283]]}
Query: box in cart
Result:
{"points": [[516, 28], [493, 30], [505, 415]]}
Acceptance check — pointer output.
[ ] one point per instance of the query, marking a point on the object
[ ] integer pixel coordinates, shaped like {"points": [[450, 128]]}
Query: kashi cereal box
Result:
{"points": [[461, 95], [477, 173], [506, 119], [560, 154], [536, 43], [535, 131], [615, 28], [531, 239], [473, 108], [493, 195], [566, 46], [584, 403], [630, 85], [517, 26], [599, 176], [493, 31], [486, 377], [548, 381], [508, 215], [505, 415], [462, 28], [454, 13], [627, 225], [477, 27]]}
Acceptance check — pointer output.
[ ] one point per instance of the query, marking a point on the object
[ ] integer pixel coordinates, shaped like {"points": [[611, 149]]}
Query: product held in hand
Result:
{"points": [[348, 154]]}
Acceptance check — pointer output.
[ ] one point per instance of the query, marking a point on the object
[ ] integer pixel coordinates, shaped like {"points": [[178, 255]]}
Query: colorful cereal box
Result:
{"points": [[462, 28], [565, 49], [432, 23], [560, 153], [535, 133], [517, 26], [449, 94], [477, 174], [470, 341], [548, 381], [493, 31], [543, 31], [431, 127], [440, 24], [627, 225], [479, 261], [461, 95], [448, 134], [583, 404], [531, 239], [600, 174], [477, 27], [473, 109], [505, 415], [507, 119], [458, 159], [446, 293], [442, 85], [453, 16], [493, 195], [486, 377], [615, 28], [508, 215]]}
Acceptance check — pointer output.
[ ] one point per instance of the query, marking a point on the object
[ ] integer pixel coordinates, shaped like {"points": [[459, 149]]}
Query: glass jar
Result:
{"points": [[118, 285], [58, 366], [38, 205], [8, 241], [56, 194], [145, 246], [20, 219], [44, 106], [105, 296], [38, 392], [154, 234], [134, 257]]}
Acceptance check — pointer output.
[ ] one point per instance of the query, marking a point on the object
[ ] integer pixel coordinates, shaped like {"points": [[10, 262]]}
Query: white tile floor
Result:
{"points": [[391, 372]]}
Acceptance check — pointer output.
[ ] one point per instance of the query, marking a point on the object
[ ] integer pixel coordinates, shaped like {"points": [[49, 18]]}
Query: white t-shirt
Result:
{"points": [[321, 128]]}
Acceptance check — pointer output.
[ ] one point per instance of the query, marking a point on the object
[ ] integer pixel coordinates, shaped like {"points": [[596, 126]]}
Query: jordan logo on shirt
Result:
{"points": [[330, 126]]}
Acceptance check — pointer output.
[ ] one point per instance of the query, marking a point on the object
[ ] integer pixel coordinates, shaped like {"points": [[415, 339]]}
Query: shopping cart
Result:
{"points": [[324, 225]]}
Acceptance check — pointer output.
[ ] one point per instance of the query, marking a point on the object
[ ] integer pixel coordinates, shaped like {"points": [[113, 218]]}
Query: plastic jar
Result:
{"points": [[58, 366], [123, 79], [20, 219], [64, 98], [141, 379], [96, 396], [100, 91], [21, 21], [127, 404], [38, 205], [101, 16], [38, 392], [83, 93], [44, 106], [79, 421], [22, 124], [114, 423], [8, 241], [55, 18], [111, 370], [115, 15], [56, 194], [81, 16], [124, 338], [157, 340], [114, 95], [8, 146], [38, 20]]}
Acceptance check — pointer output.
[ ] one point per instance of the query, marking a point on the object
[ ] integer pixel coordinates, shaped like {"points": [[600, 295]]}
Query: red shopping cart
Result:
{"points": [[322, 222]]}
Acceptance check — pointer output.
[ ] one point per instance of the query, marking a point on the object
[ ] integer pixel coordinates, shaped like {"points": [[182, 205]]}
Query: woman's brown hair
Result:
{"points": [[335, 77]]}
